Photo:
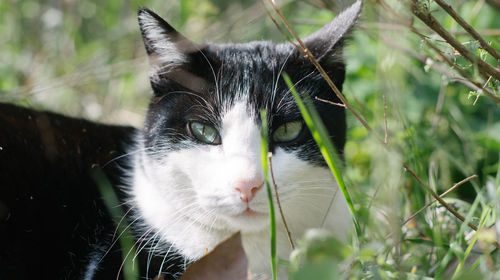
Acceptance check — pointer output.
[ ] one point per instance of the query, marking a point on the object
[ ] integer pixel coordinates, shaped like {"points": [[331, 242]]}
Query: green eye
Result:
{"points": [[287, 132], [205, 133]]}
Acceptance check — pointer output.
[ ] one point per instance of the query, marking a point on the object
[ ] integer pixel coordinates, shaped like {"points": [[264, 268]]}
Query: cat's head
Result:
{"points": [[201, 137]]}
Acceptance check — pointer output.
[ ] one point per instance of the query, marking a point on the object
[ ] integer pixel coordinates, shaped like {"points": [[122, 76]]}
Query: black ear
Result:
{"points": [[164, 45], [326, 42], [170, 53]]}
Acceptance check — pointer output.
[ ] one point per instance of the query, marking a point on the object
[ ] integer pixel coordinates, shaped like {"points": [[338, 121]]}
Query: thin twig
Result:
{"points": [[441, 196], [441, 201], [462, 72], [468, 28], [330, 102], [426, 17], [453, 211], [270, 156], [467, 81], [484, 86]]}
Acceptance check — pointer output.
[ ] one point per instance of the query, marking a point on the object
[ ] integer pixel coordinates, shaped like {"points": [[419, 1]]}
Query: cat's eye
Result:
{"points": [[204, 133], [287, 132]]}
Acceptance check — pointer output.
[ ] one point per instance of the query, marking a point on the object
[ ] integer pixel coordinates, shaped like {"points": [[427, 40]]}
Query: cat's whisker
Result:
{"points": [[184, 210], [277, 78], [186, 229], [326, 184], [140, 241], [117, 239], [219, 79], [215, 217], [212, 69], [126, 256], [287, 95], [205, 105], [305, 190], [121, 220], [151, 252], [316, 187], [131, 153]]}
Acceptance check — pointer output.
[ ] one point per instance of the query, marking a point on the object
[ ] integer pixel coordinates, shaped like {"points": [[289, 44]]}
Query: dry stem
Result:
{"points": [[441, 196], [270, 156], [484, 68], [462, 72], [445, 71], [468, 28], [329, 102]]}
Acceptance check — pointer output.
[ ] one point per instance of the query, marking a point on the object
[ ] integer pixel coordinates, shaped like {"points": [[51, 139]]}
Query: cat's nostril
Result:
{"points": [[248, 191], [255, 189]]}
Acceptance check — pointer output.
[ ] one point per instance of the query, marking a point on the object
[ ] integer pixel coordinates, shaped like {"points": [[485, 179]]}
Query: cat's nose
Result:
{"points": [[248, 188]]}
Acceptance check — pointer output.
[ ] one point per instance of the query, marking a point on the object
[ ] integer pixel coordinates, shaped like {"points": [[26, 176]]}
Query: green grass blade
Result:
{"points": [[449, 255], [130, 268], [320, 135], [265, 167], [484, 215]]}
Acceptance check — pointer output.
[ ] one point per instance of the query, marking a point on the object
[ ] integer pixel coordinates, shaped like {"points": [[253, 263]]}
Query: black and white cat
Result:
{"points": [[198, 176]]}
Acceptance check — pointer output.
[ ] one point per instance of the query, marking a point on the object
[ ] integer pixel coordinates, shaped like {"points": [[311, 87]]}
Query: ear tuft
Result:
{"points": [[330, 37], [164, 45]]}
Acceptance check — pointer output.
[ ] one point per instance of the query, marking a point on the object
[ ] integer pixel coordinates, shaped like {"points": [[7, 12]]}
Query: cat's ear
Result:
{"points": [[327, 41], [164, 45]]}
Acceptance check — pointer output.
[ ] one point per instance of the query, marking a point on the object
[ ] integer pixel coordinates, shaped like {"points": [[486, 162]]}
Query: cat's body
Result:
{"points": [[197, 173]]}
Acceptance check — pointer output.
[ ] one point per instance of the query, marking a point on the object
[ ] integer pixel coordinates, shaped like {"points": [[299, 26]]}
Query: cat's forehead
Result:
{"points": [[248, 73], [261, 55]]}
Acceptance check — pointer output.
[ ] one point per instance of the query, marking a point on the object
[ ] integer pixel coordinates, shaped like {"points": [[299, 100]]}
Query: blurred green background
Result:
{"points": [[86, 59]]}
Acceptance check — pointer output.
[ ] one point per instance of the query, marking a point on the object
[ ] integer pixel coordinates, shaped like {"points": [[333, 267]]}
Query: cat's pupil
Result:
{"points": [[287, 132]]}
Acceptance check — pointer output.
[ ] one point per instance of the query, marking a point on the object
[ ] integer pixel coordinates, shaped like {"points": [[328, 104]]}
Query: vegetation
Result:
{"points": [[431, 110]]}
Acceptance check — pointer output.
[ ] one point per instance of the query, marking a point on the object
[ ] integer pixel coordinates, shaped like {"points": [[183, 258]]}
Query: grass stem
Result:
{"points": [[272, 220]]}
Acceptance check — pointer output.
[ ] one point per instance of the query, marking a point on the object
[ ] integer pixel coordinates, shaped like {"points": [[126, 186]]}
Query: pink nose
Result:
{"points": [[248, 188]]}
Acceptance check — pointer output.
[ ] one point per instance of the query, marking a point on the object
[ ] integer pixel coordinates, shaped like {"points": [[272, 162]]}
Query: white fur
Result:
{"points": [[189, 197]]}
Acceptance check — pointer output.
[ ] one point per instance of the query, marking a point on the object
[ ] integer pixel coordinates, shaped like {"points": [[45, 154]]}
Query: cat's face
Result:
{"points": [[202, 134]]}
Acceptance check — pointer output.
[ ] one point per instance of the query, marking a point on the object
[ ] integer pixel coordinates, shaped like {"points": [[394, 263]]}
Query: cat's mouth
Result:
{"points": [[247, 220], [249, 212]]}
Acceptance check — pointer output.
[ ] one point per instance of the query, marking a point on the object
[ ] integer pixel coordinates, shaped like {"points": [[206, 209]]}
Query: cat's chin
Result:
{"points": [[248, 221]]}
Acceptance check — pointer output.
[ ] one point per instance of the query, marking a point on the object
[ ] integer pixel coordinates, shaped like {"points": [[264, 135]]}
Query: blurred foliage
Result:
{"points": [[85, 58]]}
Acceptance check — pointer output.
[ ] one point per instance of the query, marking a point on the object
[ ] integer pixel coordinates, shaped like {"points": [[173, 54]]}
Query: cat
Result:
{"points": [[197, 174]]}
